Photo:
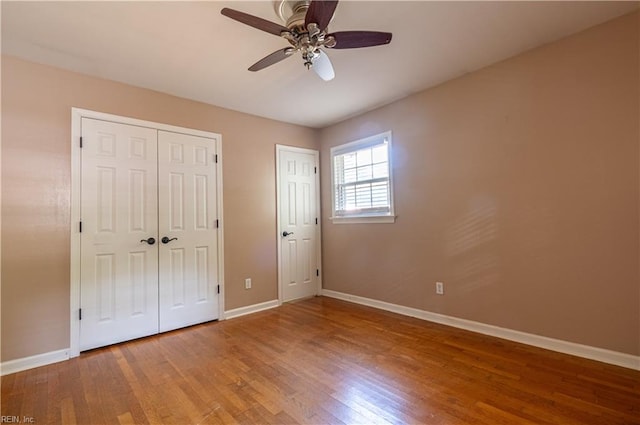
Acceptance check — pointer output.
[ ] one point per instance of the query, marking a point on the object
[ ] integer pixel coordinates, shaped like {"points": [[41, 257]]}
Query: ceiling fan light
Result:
{"points": [[323, 67]]}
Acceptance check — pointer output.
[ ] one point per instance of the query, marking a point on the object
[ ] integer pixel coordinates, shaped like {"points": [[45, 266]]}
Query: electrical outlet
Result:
{"points": [[439, 288], [247, 283]]}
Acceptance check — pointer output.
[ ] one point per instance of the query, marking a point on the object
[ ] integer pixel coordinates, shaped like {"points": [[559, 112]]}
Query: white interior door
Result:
{"points": [[298, 216], [119, 268], [188, 221], [149, 232]]}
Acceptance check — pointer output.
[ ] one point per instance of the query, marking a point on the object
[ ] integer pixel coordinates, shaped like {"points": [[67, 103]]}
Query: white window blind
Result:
{"points": [[362, 178]]}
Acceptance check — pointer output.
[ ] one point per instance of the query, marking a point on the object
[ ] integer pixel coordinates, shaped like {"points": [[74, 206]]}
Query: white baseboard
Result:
{"points": [[18, 365], [586, 351], [237, 312]]}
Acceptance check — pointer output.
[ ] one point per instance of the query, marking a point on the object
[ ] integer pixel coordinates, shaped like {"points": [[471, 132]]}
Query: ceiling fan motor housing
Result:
{"points": [[292, 13]]}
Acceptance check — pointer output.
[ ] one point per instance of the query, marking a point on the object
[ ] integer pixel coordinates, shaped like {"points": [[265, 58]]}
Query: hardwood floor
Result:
{"points": [[324, 361]]}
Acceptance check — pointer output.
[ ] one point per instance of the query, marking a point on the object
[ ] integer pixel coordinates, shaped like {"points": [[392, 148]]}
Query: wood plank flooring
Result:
{"points": [[324, 361]]}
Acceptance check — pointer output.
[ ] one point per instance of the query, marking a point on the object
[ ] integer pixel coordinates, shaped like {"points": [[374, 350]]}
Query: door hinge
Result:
{"points": [[317, 272], [81, 141], [80, 226], [80, 314], [218, 289], [316, 220], [217, 223], [216, 158], [315, 170]]}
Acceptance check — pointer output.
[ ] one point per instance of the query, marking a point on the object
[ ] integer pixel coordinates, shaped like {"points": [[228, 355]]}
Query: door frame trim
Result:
{"points": [[76, 173], [316, 154]]}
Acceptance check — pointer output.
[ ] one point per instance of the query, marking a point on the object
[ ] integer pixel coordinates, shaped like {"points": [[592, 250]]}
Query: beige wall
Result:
{"points": [[36, 137], [517, 186]]}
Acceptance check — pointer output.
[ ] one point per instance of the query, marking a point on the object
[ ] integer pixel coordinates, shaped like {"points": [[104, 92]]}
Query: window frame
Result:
{"points": [[368, 217]]}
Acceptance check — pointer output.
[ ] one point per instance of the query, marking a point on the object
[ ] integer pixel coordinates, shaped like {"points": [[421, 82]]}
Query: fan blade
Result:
{"points": [[320, 12], [322, 66], [355, 39], [269, 60], [254, 21]]}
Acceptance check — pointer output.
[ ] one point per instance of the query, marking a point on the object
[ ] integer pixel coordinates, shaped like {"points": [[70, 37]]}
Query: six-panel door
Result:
{"points": [[141, 185], [187, 218], [119, 269], [298, 214]]}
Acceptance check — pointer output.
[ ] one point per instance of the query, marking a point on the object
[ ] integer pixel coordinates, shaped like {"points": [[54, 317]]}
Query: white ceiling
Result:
{"points": [[189, 49]]}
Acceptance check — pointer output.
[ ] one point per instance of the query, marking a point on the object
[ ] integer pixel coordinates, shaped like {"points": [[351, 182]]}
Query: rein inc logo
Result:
{"points": [[5, 419]]}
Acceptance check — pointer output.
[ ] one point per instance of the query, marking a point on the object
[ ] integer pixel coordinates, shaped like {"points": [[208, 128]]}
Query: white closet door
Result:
{"points": [[187, 218], [119, 269]]}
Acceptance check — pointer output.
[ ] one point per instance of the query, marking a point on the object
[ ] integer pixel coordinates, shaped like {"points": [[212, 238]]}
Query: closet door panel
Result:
{"points": [[187, 221], [118, 266]]}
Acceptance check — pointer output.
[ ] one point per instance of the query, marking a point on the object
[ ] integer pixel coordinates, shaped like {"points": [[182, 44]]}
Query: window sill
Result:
{"points": [[364, 219]]}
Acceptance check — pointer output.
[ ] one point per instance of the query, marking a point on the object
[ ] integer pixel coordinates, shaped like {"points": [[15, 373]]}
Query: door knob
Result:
{"points": [[285, 233], [150, 241], [165, 239]]}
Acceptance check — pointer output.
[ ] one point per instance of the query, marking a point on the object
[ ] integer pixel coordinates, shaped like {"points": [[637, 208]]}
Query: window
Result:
{"points": [[362, 190]]}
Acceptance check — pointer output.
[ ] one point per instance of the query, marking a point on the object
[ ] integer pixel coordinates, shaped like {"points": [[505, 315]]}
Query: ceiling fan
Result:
{"points": [[306, 31]]}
